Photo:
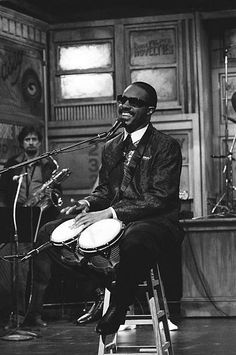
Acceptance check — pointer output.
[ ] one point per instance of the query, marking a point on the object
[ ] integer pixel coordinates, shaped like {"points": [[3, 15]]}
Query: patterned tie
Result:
{"points": [[127, 142], [128, 149], [128, 146]]}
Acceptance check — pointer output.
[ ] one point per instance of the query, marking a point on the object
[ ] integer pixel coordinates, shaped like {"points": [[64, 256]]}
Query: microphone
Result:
{"points": [[118, 123], [17, 177], [36, 251], [232, 119]]}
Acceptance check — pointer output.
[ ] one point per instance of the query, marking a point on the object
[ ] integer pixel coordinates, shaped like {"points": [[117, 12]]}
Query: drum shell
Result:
{"points": [[103, 261], [106, 256]]}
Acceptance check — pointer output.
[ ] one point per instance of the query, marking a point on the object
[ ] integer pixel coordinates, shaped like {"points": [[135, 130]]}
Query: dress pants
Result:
{"points": [[140, 247]]}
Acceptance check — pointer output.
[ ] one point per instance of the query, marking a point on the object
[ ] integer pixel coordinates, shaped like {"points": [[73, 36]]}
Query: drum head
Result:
{"points": [[65, 233], [99, 235]]}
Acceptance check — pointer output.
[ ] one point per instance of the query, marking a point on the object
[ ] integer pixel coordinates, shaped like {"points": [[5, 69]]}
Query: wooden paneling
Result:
{"points": [[22, 28], [208, 268], [86, 112]]}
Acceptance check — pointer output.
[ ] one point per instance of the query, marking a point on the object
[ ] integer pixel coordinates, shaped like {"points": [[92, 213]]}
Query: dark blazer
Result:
{"points": [[151, 191], [8, 186]]}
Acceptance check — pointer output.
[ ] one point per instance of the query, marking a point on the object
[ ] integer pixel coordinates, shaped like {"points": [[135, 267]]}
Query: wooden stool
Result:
{"points": [[158, 318]]}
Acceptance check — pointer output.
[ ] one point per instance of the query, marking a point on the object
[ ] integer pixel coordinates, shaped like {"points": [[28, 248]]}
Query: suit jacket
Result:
{"points": [[151, 191], [8, 186]]}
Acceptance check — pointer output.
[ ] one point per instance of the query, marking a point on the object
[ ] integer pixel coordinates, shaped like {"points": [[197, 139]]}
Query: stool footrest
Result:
{"points": [[138, 321], [158, 318]]}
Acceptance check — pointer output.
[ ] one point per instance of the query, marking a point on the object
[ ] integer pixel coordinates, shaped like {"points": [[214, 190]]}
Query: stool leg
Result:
{"points": [[161, 293], [155, 324], [155, 313], [159, 311]]}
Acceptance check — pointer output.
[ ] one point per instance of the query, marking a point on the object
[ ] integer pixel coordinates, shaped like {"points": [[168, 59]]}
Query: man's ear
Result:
{"points": [[151, 110]]}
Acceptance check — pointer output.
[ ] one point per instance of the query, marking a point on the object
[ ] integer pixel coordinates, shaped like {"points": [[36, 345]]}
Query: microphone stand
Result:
{"points": [[99, 136], [16, 334], [225, 202]]}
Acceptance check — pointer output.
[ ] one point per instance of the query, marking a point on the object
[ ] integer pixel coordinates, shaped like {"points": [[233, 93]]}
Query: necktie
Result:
{"points": [[127, 143], [128, 147]]}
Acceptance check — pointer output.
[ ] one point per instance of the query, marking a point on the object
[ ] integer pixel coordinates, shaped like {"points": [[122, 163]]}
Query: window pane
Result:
{"points": [[86, 56], [163, 80], [80, 86]]}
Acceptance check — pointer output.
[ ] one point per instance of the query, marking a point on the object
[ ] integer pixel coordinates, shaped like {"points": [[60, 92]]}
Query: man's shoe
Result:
{"points": [[111, 321], [94, 313], [34, 321]]}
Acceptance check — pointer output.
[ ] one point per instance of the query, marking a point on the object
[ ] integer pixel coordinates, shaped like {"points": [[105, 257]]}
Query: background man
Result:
{"points": [[30, 140]]}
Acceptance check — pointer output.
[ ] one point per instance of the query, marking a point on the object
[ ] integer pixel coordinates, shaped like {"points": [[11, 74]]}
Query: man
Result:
{"points": [[30, 139], [139, 185], [145, 198]]}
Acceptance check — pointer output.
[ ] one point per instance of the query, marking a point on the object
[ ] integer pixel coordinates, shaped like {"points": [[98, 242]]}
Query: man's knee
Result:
{"points": [[46, 231]]}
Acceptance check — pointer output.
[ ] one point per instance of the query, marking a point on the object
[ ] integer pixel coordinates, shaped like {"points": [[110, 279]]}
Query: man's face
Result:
{"points": [[135, 114], [31, 144]]}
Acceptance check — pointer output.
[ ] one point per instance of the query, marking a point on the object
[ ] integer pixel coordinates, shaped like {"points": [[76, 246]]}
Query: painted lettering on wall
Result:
{"points": [[10, 66], [157, 47], [8, 141], [153, 47], [94, 162]]}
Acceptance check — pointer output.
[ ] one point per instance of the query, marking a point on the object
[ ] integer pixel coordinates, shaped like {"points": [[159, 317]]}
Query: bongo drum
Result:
{"points": [[66, 233], [99, 243]]}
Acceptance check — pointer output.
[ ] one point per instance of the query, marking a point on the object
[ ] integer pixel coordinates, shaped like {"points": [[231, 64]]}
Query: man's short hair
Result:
{"points": [[150, 90], [29, 130]]}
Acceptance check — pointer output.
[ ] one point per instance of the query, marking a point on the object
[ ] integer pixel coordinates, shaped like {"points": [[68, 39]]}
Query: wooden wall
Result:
{"points": [[176, 53], [22, 82], [208, 268]]}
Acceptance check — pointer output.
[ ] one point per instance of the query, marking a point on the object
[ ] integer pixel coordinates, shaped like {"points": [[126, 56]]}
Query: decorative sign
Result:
{"points": [[150, 47], [20, 83], [153, 59], [8, 141]]}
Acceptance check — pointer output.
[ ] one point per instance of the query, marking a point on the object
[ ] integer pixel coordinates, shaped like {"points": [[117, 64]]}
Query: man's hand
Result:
{"points": [[79, 206], [89, 218]]}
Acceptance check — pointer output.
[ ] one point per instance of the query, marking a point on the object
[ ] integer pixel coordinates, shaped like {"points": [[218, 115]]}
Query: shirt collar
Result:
{"points": [[136, 135]]}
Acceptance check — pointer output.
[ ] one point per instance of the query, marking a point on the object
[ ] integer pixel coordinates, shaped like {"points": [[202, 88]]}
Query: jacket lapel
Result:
{"points": [[118, 152]]}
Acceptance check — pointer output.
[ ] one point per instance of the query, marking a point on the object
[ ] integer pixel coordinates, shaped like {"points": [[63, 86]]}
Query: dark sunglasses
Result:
{"points": [[133, 101]]}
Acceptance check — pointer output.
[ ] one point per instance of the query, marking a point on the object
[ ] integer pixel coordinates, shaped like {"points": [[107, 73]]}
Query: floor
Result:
{"points": [[195, 336]]}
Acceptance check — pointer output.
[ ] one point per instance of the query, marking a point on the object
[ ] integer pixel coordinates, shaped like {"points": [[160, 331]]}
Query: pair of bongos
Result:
{"points": [[97, 243]]}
